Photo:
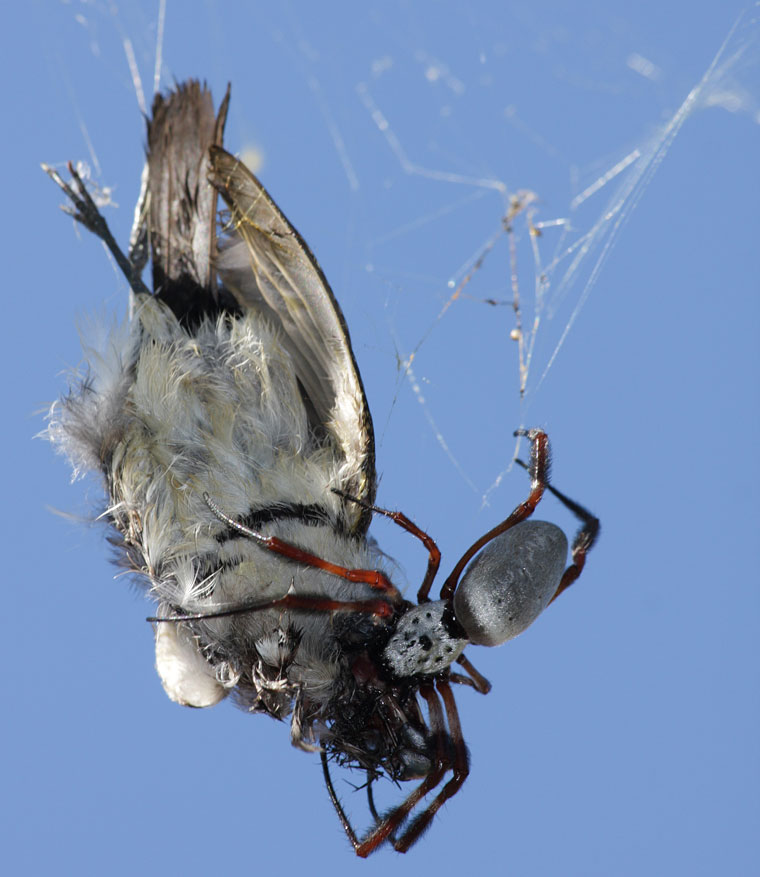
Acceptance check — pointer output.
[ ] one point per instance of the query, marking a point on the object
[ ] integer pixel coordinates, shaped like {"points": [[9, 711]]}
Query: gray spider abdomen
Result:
{"points": [[510, 583]]}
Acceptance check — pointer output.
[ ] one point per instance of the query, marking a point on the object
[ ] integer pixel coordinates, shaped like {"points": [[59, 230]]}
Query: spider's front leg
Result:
{"points": [[434, 553], [374, 578], [539, 473]]}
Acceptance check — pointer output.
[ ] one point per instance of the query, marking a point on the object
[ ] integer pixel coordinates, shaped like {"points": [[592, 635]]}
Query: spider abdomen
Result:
{"points": [[510, 583]]}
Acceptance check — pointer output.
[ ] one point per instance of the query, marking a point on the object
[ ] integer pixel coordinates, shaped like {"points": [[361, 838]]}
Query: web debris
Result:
{"points": [[554, 261], [573, 267]]}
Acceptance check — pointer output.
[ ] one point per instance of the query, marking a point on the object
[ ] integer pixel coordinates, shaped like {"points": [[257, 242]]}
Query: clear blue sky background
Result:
{"points": [[621, 733]]}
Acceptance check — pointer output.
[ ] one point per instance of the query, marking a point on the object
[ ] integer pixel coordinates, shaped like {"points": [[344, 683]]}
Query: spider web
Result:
{"points": [[469, 223]]}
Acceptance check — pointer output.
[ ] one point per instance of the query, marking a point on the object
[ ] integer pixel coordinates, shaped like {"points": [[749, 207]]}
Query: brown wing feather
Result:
{"points": [[181, 203]]}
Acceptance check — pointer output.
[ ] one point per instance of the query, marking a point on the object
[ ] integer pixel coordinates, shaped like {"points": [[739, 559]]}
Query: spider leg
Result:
{"points": [[434, 554], [371, 799], [461, 679], [476, 679], [388, 824], [460, 767], [373, 578], [344, 820], [361, 848], [305, 602], [584, 541], [539, 472], [373, 809]]}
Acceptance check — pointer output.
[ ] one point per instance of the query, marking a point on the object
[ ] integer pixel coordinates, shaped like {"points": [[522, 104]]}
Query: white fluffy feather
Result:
{"points": [[167, 417]]}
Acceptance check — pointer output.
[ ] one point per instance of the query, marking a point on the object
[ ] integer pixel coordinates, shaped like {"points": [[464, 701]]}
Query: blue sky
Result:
{"points": [[621, 733]]}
